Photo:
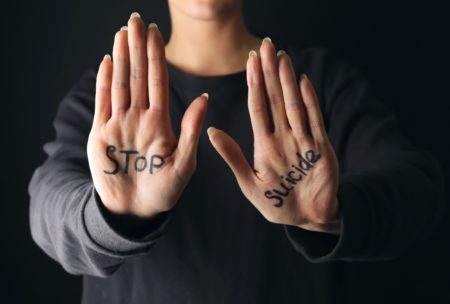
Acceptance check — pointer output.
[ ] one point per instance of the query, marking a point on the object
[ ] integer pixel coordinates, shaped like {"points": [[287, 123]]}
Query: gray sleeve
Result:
{"points": [[391, 193], [67, 218]]}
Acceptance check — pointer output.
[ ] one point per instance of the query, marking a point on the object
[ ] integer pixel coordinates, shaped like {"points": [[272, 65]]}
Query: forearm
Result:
{"points": [[58, 195], [68, 224]]}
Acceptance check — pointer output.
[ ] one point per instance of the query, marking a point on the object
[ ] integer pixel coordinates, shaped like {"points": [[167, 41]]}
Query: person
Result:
{"points": [[136, 195]]}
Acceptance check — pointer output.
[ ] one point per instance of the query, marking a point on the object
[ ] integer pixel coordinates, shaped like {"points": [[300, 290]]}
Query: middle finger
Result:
{"points": [[138, 62], [273, 87]]}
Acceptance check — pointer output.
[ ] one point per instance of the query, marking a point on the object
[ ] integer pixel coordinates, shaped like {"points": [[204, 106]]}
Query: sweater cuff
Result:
{"points": [[104, 231], [349, 244]]}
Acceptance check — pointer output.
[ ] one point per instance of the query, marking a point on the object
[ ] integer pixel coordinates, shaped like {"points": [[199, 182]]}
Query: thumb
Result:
{"points": [[191, 125], [230, 151]]}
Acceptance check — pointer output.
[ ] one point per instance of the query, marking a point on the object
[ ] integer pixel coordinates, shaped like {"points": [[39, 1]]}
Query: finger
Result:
{"points": [[273, 86], [295, 110], [313, 111], [257, 105], [103, 91], [157, 73], [230, 151], [191, 125], [120, 91], [138, 61]]}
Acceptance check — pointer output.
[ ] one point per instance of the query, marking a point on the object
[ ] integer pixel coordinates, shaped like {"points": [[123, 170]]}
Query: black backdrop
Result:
{"points": [[402, 47]]}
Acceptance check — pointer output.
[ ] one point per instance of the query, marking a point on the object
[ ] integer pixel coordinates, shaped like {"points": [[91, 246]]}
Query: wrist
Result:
{"points": [[132, 225], [332, 225], [331, 228]]}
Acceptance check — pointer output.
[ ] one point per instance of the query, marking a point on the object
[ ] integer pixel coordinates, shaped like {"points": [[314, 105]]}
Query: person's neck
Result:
{"points": [[210, 47]]}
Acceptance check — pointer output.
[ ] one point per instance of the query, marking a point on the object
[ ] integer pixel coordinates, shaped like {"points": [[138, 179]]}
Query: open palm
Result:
{"points": [[294, 178], [137, 164]]}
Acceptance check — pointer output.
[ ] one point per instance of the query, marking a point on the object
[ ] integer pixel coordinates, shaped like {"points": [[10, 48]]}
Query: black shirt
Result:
{"points": [[214, 246]]}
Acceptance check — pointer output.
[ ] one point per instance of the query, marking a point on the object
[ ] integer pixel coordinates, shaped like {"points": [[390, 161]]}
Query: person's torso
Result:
{"points": [[217, 247]]}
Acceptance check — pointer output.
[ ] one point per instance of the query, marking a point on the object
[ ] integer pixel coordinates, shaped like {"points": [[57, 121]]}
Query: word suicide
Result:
{"points": [[293, 177]]}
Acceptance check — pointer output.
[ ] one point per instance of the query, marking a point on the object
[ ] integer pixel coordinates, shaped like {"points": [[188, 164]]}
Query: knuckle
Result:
{"points": [[156, 109], [154, 55], [156, 82], [121, 84], [254, 82], [189, 133], [314, 124], [275, 98], [257, 107], [287, 81], [103, 86], [300, 134], [120, 112], [136, 46], [270, 72], [293, 106], [136, 104], [138, 73]]}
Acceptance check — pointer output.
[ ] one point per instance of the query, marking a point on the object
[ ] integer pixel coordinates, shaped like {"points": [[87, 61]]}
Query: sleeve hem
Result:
{"points": [[349, 245], [102, 233]]}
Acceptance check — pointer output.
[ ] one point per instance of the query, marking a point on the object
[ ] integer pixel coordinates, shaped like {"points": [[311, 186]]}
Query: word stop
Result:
{"points": [[139, 163]]}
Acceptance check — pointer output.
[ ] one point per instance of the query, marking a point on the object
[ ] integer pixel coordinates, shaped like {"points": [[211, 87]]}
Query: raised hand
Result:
{"points": [[137, 164], [295, 176]]}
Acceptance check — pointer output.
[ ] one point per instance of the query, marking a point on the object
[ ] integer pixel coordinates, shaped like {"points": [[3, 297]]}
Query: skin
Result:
{"points": [[285, 117], [205, 33]]}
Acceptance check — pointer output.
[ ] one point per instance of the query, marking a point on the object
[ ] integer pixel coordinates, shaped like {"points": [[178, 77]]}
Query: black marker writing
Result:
{"points": [[269, 195], [140, 162], [156, 165], [143, 161], [305, 163], [286, 190], [127, 158], [110, 149]]}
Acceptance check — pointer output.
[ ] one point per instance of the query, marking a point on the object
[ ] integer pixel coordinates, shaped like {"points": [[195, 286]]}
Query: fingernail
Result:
{"points": [[252, 53], [152, 25], [267, 39], [209, 130], [124, 28], [280, 53], [107, 56], [206, 95], [135, 14], [303, 76]]}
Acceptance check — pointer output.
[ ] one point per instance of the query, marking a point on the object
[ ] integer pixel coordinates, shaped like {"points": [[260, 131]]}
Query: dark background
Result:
{"points": [[401, 46]]}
